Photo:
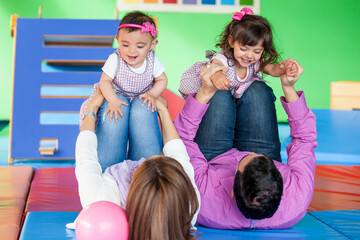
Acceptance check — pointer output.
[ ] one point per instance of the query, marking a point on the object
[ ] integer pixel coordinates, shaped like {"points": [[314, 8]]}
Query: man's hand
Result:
{"points": [[207, 90], [289, 80], [287, 84]]}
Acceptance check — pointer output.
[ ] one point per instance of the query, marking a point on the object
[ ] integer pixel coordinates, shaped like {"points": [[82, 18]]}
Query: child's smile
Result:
{"points": [[246, 55], [134, 46]]}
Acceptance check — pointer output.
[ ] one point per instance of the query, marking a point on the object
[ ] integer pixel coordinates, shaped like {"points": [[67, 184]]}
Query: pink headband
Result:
{"points": [[145, 27], [239, 15]]}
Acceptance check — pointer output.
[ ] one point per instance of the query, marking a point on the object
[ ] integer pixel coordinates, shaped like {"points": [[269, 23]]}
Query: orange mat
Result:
{"points": [[336, 188], [14, 188]]}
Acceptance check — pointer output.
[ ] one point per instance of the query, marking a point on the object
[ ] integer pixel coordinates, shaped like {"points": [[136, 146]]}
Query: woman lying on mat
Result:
{"points": [[164, 182]]}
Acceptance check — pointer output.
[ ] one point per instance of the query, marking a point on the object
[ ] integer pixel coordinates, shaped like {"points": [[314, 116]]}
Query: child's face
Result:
{"points": [[134, 46], [246, 55]]}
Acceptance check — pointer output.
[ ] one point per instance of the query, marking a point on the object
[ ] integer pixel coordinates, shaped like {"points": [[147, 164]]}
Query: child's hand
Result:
{"points": [[115, 108], [149, 99], [220, 81]]}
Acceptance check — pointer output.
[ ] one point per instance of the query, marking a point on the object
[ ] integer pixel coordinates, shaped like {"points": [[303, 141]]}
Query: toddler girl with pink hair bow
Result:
{"points": [[246, 49]]}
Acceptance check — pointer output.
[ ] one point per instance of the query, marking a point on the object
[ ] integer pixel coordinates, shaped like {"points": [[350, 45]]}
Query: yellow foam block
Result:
{"points": [[345, 95]]}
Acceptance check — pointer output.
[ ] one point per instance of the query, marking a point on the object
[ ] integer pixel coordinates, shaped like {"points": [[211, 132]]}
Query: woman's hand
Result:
{"points": [[161, 104], [95, 102]]}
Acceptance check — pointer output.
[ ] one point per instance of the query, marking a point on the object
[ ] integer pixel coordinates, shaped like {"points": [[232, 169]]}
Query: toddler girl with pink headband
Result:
{"points": [[132, 70], [132, 79]]}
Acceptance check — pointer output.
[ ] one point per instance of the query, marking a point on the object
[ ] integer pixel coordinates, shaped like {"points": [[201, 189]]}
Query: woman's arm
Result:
{"points": [[92, 185], [150, 97], [169, 131], [91, 111]]}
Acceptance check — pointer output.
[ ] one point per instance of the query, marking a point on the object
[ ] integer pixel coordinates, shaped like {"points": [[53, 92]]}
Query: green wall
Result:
{"points": [[322, 35]]}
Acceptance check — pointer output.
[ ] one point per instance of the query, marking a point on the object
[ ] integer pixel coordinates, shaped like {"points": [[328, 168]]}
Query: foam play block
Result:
{"points": [[336, 188], [14, 188], [54, 189], [11, 211], [175, 103], [345, 95], [9, 232], [16, 174]]}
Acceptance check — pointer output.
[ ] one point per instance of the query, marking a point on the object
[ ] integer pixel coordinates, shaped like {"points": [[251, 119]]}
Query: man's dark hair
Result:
{"points": [[258, 189]]}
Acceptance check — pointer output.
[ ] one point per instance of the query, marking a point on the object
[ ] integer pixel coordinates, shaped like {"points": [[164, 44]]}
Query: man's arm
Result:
{"points": [[302, 122], [187, 124]]}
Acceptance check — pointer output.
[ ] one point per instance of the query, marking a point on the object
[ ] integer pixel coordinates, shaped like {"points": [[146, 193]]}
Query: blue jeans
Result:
{"points": [[139, 130], [248, 123]]}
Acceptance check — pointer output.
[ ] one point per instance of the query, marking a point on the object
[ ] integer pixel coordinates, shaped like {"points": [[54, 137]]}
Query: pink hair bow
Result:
{"points": [[145, 27], [239, 15], [149, 27]]}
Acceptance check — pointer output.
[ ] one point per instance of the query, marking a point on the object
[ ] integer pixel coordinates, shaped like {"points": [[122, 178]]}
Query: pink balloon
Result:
{"points": [[102, 220]]}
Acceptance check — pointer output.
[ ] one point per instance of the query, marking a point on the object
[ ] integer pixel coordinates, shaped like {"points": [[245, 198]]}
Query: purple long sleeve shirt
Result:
{"points": [[215, 179]]}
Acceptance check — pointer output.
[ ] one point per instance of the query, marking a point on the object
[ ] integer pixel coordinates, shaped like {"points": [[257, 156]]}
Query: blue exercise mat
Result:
{"points": [[338, 136], [48, 225], [51, 225], [346, 222]]}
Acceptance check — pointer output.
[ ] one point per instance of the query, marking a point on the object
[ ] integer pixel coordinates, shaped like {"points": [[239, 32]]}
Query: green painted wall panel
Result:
{"points": [[322, 35]]}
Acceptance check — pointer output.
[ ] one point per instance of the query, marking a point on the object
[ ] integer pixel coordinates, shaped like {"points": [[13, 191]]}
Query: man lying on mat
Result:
{"points": [[241, 189]]}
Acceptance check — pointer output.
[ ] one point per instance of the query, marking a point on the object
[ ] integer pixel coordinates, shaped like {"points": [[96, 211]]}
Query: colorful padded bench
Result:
{"points": [[14, 188]]}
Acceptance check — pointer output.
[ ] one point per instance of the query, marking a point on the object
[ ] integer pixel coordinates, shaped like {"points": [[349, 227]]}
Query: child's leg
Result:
{"points": [[256, 128], [216, 131], [112, 136], [145, 138]]}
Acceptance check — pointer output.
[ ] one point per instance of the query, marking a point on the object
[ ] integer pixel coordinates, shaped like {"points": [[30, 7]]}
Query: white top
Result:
{"points": [[95, 186], [111, 65]]}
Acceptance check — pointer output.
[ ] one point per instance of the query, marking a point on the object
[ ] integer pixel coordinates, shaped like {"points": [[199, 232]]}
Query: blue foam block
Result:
{"points": [[308, 228], [338, 137], [346, 222]]}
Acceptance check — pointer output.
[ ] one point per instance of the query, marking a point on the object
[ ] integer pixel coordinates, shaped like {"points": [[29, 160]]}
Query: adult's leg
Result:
{"points": [[112, 136], [145, 138], [216, 130], [256, 128]]}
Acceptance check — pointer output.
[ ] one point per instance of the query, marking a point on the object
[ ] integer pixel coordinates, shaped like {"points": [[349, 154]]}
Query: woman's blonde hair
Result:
{"points": [[161, 201]]}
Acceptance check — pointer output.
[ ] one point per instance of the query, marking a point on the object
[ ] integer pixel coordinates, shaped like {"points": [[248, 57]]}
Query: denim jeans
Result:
{"points": [[248, 123], [135, 136]]}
